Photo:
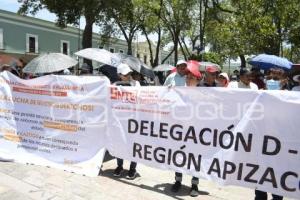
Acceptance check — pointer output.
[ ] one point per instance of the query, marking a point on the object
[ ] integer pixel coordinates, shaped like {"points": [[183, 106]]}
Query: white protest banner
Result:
{"points": [[230, 136], [57, 121]]}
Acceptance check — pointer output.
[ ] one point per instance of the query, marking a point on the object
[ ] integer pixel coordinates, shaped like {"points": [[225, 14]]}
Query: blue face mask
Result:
{"points": [[273, 85]]}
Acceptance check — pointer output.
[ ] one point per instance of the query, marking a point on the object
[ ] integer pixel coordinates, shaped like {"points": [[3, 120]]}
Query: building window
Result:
{"points": [[112, 50], [1, 39], [32, 42], [65, 47], [121, 51], [145, 59]]}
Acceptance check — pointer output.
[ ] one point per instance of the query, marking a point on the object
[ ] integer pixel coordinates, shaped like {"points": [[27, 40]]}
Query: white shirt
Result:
{"points": [[175, 79], [240, 84], [296, 88]]}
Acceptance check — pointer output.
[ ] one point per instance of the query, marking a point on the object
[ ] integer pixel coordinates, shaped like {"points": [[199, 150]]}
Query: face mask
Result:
{"points": [[273, 85]]}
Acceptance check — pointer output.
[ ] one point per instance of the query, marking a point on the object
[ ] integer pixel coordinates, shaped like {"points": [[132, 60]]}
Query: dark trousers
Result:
{"points": [[178, 177], [120, 163], [261, 195]]}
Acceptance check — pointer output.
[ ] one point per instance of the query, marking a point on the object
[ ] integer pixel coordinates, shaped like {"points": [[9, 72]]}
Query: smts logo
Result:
{"points": [[128, 97]]}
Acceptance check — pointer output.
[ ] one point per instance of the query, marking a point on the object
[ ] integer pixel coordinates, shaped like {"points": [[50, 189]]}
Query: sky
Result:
{"points": [[13, 6]]}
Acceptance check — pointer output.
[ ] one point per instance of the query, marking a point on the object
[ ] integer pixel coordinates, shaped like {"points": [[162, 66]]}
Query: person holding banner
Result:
{"points": [[277, 77], [124, 73], [193, 78], [245, 80], [223, 80], [210, 77], [177, 78]]}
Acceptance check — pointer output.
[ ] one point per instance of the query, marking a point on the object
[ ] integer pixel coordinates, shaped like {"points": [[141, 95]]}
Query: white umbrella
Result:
{"points": [[49, 62], [163, 67], [98, 55], [204, 65]]}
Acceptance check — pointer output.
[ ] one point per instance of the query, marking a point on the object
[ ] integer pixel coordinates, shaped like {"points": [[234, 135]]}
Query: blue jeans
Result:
{"points": [[261, 195], [120, 164]]}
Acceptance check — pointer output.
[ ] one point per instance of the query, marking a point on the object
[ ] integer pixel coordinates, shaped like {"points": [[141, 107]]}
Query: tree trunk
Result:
{"points": [[176, 50], [243, 61], [129, 44], [185, 57], [87, 36], [170, 53], [156, 59]]}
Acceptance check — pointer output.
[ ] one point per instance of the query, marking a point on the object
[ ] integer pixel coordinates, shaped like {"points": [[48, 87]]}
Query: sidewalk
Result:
{"points": [[30, 182]]}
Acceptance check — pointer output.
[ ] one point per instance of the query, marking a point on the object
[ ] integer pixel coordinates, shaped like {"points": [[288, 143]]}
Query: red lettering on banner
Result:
{"points": [[130, 97]]}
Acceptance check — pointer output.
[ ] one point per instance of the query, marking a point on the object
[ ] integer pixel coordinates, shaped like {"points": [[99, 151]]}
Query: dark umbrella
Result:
{"points": [[110, 72], [134, 63]]}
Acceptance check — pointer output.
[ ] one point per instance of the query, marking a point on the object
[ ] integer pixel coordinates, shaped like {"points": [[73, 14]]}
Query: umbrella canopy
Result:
{"points": [[163, 67], [134, 63], [204, 65], [110, 72], [264, 61], [98, 55], [9, 60], [49, 62], [114, 59]]}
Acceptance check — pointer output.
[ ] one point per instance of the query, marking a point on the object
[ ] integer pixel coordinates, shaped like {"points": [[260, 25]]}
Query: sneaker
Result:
{"points": [[176, 186], [194, 191], [131, 174], [118, 171]]}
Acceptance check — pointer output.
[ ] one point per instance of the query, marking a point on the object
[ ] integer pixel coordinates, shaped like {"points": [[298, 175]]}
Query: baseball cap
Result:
{"points": [[211, 69], [296, 78], [123, 69], [180, 62], [225, 75]]}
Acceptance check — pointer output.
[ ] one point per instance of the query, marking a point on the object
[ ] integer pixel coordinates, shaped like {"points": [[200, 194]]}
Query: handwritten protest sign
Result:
{"points": [[237, 137], [57, 121]]}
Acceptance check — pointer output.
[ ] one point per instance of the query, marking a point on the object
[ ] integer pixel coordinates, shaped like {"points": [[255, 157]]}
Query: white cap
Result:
{"points": [[225, 75], [123, 69], [67, 72], [179, 62], [296, 78]]}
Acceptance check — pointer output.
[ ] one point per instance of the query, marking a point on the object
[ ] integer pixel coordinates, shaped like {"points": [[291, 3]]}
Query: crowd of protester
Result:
{"points": [[254, 79]]}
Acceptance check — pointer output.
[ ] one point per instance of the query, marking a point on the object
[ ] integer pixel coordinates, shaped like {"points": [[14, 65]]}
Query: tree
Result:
{"points": [[242, 27], [175, 17], [124, 15], [152, 24]]}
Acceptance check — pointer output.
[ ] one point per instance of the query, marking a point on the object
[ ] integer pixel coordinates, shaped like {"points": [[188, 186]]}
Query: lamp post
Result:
{"points": [[78, 48]]}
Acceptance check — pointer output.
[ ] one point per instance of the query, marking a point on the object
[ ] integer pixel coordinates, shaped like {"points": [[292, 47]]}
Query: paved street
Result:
{"points": [[30, 182]]}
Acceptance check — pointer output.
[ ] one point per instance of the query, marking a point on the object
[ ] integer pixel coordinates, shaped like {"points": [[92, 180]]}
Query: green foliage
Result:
{"points": [[232, 28], [258, 26]]}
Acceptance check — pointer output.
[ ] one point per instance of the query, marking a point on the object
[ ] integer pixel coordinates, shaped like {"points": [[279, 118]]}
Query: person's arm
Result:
{"points": [[168, 81]]}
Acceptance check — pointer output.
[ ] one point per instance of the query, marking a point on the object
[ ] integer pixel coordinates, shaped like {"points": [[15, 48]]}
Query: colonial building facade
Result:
{"points": [[24, 36]]}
